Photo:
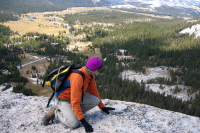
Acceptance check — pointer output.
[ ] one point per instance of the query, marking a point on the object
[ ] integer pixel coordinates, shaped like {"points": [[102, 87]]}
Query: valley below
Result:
{"points": [[52, 23], [146, 57], [178, 91]]}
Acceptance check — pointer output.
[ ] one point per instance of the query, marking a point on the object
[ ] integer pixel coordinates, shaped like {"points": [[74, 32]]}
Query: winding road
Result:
{"points": [[31, 62]]}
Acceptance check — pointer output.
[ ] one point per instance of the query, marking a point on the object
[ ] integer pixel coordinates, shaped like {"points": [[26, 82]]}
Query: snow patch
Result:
{"points": [[195, 29], [157, 72], [153, 73]]}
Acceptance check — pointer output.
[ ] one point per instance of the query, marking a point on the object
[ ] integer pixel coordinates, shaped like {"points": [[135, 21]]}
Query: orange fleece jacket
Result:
{"points": [[74, 93]]}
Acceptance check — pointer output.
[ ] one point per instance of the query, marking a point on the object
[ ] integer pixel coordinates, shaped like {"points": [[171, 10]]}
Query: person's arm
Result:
{"points": [[92, 89], [76, 83]]}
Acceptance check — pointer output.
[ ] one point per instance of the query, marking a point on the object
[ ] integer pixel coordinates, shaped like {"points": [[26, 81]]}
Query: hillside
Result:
{"points": [[22, 114], [25, 6], [176, 8], [11, 10]]}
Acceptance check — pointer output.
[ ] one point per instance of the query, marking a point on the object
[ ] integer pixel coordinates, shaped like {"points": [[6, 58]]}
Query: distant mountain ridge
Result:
{"points": [[178, 8], [180, 2], [170, 2], [25, 6]]}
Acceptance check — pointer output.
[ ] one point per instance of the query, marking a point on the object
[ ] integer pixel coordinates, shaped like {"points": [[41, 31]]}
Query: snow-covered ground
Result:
{"points": [[153, 73], [23, 114], [170, 90], [195, 29], [159, 3]]}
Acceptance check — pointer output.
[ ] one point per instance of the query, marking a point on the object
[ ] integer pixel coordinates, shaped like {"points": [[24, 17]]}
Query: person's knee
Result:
{"points": [[96, 100], [73, 124], [69, 120]]}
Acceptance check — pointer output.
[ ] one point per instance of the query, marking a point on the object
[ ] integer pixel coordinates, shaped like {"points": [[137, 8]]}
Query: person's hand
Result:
{"points": [[87, 126], [106, 109]]}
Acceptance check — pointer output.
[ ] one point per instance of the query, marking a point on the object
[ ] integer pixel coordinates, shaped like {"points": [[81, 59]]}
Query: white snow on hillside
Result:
{"points": [[154, 4], [23, 114], [195, 29], [156, 72], [180, 3], [123, 6], [153, 73], [171, 90]]}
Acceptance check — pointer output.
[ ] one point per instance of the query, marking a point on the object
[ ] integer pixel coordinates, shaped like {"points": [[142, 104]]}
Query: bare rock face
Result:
{"points": [[22, 114]]}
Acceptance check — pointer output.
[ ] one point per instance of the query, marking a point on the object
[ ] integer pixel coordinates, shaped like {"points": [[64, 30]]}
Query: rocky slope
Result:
{"points": [[22, 114]]}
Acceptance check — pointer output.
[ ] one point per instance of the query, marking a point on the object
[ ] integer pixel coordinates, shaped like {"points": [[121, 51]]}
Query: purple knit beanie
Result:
{"points": [[94, 63]]}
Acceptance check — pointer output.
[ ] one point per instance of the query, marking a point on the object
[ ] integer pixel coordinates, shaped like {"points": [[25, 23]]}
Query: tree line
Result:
{"points": [[9, 56]]}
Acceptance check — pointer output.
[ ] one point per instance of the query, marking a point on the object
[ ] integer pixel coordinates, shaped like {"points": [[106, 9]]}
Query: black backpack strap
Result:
{"points": [[44, 81], [79, 72], [52, 95]]}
